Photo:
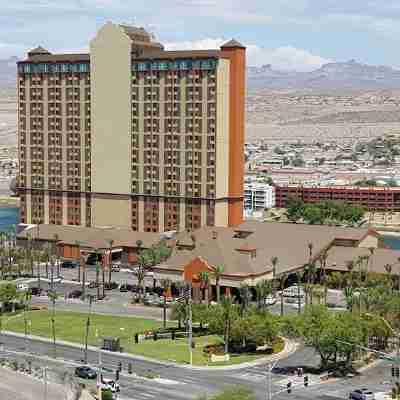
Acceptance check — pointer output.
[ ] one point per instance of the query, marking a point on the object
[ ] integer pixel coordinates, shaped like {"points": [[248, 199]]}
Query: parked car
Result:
{"points": [[69, 264], [85, 372], [361, 394], [111, 286], [23, 287], [115, 268], [123, 288], [93, 285], [270, 300], [75, 294], [110, 385], [293, 291], [36, 291]]}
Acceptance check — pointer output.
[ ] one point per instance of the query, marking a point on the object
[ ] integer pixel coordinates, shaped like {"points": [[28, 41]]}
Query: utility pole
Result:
{"points": [[87, 328], [45, 382], [99, 369]]}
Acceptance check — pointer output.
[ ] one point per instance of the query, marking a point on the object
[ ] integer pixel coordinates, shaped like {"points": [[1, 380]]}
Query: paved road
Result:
{"points": [[178, 383]]}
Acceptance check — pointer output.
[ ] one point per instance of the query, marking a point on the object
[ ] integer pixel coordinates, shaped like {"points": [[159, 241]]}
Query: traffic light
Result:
{"points": [[289, 387], [395, 372], [306, 381], [120, 366], [117, 375]]}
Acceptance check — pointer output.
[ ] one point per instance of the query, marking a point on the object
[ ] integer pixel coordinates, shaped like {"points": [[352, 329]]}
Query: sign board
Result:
{"points": [[215, 358]]}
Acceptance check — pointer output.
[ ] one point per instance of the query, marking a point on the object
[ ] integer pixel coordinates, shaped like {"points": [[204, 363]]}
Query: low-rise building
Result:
{"points": [[258, 196]]}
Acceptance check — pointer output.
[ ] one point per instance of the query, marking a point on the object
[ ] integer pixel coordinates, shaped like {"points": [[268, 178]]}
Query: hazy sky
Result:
{"points": [[289, 34]]}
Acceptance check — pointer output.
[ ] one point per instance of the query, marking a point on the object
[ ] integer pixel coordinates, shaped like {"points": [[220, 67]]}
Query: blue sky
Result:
{"points": [[289, 34]]}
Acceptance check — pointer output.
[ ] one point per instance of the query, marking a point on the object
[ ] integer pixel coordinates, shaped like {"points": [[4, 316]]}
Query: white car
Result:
{"points": [[293, 291], [270, 300], [109, 384], [23, 287], [362, 394]]}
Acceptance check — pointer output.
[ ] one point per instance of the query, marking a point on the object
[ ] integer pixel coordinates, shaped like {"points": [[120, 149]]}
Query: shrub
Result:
{"points": [[107, 395]]}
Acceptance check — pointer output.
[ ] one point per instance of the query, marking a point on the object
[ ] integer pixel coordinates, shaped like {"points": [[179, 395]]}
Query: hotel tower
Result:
{"points": [[131, 135]]}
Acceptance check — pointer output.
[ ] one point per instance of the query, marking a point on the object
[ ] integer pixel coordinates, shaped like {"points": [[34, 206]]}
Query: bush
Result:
{"points": [[233, 393], [107, 395]]}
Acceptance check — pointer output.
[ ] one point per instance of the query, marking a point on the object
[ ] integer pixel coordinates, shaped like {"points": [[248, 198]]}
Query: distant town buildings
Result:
{"points": [[131, 135]]}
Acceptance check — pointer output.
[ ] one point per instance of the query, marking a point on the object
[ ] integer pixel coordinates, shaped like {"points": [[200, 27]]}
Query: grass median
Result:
{"points": [[71, 327]]}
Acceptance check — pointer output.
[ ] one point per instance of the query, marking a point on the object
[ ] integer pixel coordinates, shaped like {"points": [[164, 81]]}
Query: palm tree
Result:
{"points": [[349, 296], [369, 267], [245, 297], [299, 275], [218, 272], [263, 289], [388, 269], [274, 262], [166, 284], [350, 268], [110, 245], [78, 245], [204, 278], [140, 272], [97, 274], [282, 280], [227, 308]]}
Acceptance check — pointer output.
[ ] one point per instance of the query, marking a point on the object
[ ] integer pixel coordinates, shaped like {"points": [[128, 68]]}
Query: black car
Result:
{"points": [[75, 294], [69, 264], [85, 372], [35, 291]]}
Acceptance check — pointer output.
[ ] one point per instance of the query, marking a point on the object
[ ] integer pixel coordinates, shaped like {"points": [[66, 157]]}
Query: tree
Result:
{"points": [[294, 208], [8, 294], [166, 285], [245, 297], [274, 262], [263, 289], [218, 272], [204, 278], [110, 245], [222, 317], [143, 264], [282, 280], [179, 313]]}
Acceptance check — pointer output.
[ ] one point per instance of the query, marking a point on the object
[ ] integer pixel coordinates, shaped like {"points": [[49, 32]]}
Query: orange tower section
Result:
{"points": [[236, 53]]}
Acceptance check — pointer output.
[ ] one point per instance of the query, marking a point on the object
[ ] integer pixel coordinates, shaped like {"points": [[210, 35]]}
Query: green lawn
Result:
{"points": [[71, 326]]}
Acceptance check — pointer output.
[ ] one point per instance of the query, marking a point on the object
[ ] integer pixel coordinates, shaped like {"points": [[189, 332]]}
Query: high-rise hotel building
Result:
{"points": [[132, 135]]}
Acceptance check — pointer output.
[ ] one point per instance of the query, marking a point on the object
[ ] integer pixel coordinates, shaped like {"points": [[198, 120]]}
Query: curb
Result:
{"points": [[290, 348]]}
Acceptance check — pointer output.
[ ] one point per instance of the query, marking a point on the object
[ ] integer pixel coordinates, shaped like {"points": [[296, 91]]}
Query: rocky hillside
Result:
{"points": [[349, 75]]}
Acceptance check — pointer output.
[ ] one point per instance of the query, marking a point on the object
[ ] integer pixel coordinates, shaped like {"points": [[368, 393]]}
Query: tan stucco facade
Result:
{"points": [[111, 211], [110, 68], [222, 136]]}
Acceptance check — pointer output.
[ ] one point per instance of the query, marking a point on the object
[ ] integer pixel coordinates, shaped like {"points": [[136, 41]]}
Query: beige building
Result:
{"points": [[131, 135]]}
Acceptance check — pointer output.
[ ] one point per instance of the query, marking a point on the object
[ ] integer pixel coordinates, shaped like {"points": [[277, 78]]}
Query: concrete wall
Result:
{"points": [[110, 58]]}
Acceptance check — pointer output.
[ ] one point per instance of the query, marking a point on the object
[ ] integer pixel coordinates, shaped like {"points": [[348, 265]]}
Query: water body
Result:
{"points": [[9, 216], [392, 241]]}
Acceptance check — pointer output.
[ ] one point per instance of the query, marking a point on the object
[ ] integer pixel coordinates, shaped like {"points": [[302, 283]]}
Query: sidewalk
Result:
{"points": [[290, 348]]}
